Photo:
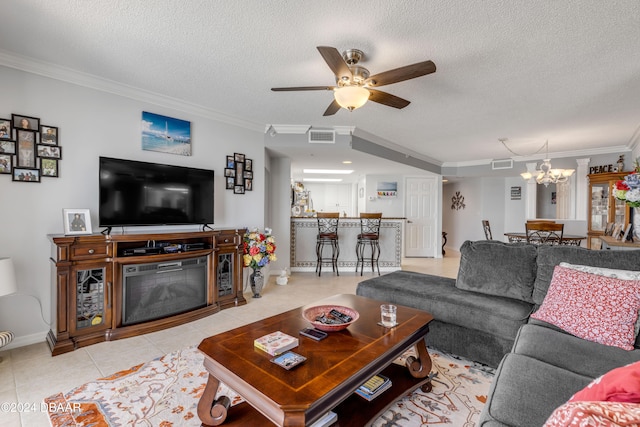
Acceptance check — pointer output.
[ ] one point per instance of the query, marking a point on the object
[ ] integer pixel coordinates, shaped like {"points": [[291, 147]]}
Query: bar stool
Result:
{"points": [[369, 236], [327, 235]]}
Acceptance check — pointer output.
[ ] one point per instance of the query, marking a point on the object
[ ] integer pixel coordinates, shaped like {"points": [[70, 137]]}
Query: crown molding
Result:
{"points": [[68, 75], [541, 156]]}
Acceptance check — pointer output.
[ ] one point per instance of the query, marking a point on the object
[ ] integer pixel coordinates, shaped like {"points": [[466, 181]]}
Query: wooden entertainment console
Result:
{"points": [[88, 294]]}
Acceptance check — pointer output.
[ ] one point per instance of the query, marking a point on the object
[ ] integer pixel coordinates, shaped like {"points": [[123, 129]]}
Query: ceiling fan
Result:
{"points": [[354, 85]]}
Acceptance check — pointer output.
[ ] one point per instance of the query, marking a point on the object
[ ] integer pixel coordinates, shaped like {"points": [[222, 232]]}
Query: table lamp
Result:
{"points": [[7, 287]]}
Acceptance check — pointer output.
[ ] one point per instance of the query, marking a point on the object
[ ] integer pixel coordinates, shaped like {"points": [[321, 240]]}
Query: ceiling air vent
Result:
{"points": [[322, 136], [502, 164]]}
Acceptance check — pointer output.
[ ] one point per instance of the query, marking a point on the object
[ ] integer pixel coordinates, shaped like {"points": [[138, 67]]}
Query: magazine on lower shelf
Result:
{"points": [[375, 386]]}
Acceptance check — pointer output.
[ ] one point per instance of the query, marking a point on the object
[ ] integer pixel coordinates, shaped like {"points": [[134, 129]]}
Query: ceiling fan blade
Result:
{"points": [[332, 109], [402, 74], [334, 60], [289, 89], [387, 99]]}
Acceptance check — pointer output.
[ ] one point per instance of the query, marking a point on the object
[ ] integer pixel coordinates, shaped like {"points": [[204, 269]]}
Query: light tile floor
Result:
{"points": [[29, 374]]}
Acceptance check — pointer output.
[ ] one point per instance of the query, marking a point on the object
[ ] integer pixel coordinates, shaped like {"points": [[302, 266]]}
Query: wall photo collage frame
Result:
{"points": [[28, 150], [238, 173]]}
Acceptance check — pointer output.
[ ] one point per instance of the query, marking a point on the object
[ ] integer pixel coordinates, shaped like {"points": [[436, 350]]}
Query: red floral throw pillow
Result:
{"points": [[601, 414], [618, 385], [595, 308]]}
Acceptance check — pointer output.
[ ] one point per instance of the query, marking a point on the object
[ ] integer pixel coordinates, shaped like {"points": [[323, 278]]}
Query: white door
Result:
{"points": [[420, 211]]}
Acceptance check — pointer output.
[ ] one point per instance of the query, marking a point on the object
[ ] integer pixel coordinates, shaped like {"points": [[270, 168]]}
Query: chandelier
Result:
{"points": [[546, 174]]}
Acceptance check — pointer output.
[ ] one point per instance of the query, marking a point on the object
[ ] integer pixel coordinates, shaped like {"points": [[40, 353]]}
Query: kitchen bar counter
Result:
{"points": [[303, 245]]}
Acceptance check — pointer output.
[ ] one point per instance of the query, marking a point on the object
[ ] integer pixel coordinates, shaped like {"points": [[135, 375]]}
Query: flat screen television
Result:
{"points": [[138, 193]]}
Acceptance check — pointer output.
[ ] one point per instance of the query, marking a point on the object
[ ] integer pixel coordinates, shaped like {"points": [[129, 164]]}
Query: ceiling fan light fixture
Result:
{"points": [[351, 97]]}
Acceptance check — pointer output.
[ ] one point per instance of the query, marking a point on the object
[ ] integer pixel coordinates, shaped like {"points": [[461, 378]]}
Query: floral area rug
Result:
{"points": [[165, 392]]}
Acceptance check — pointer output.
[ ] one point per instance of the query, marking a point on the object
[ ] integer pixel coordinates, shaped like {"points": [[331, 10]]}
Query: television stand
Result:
{"points": [[106, 230], [89, 292]]}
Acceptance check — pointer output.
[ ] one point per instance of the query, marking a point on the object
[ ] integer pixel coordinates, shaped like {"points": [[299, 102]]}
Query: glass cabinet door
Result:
{"points": [[224, 274], [90, 298], [599, 206]]}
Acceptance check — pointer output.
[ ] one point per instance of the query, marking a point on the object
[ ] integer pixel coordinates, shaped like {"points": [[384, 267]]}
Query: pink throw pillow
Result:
{"points": [[601, 414], [592, 307], [618, 385]]}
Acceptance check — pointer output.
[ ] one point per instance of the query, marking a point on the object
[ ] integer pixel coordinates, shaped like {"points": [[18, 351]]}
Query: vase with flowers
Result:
{"points": [[259, 249], [628, 190]]}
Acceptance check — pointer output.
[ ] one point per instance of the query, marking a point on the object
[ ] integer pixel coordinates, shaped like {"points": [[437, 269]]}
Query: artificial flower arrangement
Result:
{"points": [[259, 249], [628, 189]]}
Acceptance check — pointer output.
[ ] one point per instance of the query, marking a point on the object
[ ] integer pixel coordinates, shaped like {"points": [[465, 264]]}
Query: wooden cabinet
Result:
{"points": [[89, 274], [227, 267], [603, 207]]}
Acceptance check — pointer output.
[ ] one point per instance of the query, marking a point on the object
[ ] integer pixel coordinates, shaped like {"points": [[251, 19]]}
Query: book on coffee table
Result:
{"points": [[276, 343]]}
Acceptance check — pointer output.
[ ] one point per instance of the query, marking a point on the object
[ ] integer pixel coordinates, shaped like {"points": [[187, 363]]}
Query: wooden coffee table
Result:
{"points": [[334, 369]]}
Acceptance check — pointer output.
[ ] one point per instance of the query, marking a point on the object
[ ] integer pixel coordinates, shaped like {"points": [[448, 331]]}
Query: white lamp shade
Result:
{"points": [[7, 277], [351, 97]]}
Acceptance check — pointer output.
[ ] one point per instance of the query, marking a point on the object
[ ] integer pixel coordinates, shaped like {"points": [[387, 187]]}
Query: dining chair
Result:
{"points": [[487, 229], [544, 233]]}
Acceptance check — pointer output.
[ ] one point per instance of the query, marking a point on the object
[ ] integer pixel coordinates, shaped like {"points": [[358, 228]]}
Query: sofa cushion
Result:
{"points": [[596, 308], [550, 256], [497, 268], [543, 341], [618, 385], [595, 414], [525, 391], [438, 295]]}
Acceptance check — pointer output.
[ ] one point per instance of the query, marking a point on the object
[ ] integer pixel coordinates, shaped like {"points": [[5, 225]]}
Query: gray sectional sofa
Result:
{"points": [[484, 315]]}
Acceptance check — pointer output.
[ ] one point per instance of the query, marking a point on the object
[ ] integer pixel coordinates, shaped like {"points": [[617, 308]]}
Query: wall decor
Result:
{"points": [[49, 167], [26, 148], [5, 129], [48, 135], [6, 163], [457, 201], [387, 189], [8, 147], [166, 134], [26, 174], [25, 122], [29, 151], [238, 173], [76, 221], [516, 193]]}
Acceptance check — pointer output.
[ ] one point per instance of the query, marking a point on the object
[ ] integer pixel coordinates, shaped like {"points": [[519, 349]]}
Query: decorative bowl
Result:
{"points": [[311, 313]]}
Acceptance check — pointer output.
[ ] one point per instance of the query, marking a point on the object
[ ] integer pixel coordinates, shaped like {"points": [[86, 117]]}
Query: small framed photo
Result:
{"points": [[248, 174], [248, 184], [230, 162], [238, 189], [7, 147], [76, 221], [48, 135], [231, 181], [26, 175], [248, 165], [229, 173], [238, 158], [5, 129], [26, 149], [49, 152], [6, 163], [25, 122], [49, 167]]}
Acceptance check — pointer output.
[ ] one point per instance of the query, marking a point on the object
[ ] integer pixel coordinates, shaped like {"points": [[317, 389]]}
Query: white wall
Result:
{"points": [[93, 123]]}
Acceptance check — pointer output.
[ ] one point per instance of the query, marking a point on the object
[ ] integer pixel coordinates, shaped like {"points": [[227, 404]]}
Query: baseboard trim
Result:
{"points": [[26, 340]]}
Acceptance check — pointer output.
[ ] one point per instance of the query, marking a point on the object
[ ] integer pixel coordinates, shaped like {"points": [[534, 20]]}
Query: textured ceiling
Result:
{"points": [[566, 71]]}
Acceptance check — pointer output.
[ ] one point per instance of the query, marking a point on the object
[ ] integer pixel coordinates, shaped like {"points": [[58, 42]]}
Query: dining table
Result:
{"points": [[567, 239]]}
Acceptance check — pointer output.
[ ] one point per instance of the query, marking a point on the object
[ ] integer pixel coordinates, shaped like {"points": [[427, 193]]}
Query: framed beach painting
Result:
{"points": [[166, 134]]}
